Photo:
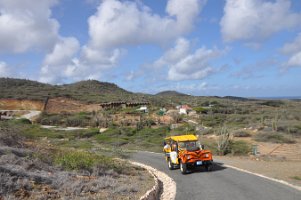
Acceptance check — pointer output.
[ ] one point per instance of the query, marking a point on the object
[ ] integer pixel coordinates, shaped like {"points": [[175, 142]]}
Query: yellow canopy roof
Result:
{"points": [[182, 138]]}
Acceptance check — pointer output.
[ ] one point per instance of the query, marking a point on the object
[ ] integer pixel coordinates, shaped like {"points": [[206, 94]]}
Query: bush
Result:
{"points": [[75, 160], [238, 147], [214, 121], [242, 134], [24, 121], [274, 138], [296, 130], [200, 110], [86, 133], [80, 160], [207, 131], [10, 135], [275, 103], [293, 130]]}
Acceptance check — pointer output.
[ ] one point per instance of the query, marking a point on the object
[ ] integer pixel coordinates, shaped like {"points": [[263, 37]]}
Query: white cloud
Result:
{"points": [[60, 62], [118, 23], [64, 63], [4, 70], [295, 60], [254, 20], [130, 76], [293, 50], [184, 65], [26, 25], [94, 56], [180, 51], [62, 52], [293, 47]]}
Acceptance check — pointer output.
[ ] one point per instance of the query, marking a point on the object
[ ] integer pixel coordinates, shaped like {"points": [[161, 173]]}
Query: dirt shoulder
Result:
{"points": [[288, 171]]}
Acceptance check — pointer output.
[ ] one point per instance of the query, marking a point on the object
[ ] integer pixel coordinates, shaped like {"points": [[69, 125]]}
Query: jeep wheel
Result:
{"points": [[183, 168], [208, 167], [170, 165]]}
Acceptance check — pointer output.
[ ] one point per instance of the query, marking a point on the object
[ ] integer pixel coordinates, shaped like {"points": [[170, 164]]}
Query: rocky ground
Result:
{"points": [[27, 172]]}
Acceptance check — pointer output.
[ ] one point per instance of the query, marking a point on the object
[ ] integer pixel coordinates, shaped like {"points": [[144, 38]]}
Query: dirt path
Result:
{"points": [[31, 115], [63, 128], [27, 114]]}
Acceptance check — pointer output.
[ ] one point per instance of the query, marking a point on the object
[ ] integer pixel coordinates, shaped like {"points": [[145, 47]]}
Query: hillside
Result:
{"points": [[26, 89], [90, 91], [171, 93], [95, 91]]}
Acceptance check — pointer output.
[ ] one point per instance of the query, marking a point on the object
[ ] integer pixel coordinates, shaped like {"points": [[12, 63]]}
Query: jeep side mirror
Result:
{"points": [[164, 143], [203, 146]]}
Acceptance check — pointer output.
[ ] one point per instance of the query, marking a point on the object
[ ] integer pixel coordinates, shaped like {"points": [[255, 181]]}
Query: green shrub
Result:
{"points": [[24, 121], [215, 120], [242, 134], [272, 103], [207, 131], [238, 147], [85, 133], [274, 138], [200, 110], [77, 160], [296, 130]]}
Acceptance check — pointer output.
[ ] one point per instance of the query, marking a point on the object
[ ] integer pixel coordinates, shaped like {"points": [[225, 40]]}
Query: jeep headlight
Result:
{"points": [[206, 155], [188, 157]]}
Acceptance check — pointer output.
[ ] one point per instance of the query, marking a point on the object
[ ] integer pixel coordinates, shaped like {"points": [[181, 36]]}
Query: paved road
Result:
{"points": [[220, 184]]}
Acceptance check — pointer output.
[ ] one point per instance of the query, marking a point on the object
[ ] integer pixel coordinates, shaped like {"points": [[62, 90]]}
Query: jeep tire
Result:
{"points": [[183, 168], [170, 165], [209, 167]]}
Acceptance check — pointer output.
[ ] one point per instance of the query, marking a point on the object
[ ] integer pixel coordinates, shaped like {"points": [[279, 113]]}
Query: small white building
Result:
{"points": [[143, 109], [184, 109]]}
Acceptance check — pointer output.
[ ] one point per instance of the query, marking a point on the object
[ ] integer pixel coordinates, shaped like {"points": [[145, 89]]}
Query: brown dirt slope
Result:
{"points": [[60, 105], [54, 105], [16, 104]]}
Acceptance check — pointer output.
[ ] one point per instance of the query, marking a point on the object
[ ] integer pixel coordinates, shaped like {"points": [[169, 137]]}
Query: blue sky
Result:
{"points": [[249, 48]]}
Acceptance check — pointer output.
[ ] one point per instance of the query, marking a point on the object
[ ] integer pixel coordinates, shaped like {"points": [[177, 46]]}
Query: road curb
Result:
{"points": [[169, 185], [265, 177]]}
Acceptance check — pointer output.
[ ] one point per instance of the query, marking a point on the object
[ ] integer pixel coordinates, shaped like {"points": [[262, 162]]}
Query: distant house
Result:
{"points": [[143, 109], [122, 104], [184, 109]]}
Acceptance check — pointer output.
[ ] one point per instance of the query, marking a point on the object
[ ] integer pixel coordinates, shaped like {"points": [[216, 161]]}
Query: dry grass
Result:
{"points": [[32, 173]]}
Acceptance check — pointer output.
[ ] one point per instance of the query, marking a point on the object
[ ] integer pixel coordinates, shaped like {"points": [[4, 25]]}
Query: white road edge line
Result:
{"points": [[253, 173], [266, 177]]}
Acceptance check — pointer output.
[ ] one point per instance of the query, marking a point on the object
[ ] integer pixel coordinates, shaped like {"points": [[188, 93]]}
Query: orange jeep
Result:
{"points": [[185, 151]]}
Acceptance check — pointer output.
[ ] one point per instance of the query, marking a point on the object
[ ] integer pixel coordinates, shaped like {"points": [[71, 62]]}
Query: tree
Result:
{"points": [[223, 140]]}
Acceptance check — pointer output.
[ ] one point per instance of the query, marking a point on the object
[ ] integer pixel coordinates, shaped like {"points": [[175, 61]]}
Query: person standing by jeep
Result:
{"points": [[167, 147]]}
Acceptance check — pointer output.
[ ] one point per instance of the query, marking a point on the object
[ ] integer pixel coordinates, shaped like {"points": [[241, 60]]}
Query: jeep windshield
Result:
{"points": [[188, 145]]}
